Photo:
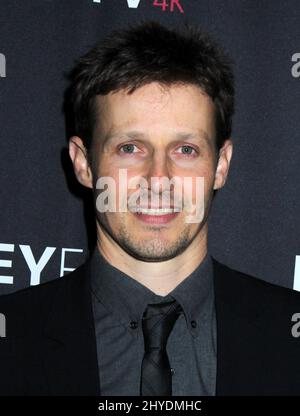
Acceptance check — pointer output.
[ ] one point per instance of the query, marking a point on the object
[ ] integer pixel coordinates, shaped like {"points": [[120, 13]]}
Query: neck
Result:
{"points": [[160, 277]]}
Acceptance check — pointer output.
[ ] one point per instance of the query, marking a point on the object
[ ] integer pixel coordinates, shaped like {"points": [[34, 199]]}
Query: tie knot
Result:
{"points": [[158, 321]]}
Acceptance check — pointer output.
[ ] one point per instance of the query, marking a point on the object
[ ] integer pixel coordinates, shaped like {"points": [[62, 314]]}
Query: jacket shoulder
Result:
{"points": [[254, 289], [28, 307]]}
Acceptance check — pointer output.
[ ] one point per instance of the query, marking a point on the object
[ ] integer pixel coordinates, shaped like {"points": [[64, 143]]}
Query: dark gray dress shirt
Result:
{"points": [[119, 302]]}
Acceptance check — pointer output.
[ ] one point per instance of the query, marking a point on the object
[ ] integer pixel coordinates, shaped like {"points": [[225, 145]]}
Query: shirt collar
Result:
{"points": [[127, 298]]}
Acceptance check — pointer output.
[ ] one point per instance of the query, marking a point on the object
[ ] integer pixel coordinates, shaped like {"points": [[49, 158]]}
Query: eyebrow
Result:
{"points": [[135, 134]]}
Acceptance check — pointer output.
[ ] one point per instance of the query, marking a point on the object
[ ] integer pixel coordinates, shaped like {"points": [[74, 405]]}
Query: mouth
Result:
{"points": [[155, 215]]}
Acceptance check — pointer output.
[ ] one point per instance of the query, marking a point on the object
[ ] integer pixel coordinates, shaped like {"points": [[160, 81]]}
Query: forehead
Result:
{"points": [[155, 107]]}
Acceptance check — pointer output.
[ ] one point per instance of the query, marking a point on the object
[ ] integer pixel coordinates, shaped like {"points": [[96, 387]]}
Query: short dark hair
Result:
{"points": [[139, 54]]}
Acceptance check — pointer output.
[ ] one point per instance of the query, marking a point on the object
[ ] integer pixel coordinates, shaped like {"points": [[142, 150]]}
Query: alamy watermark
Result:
{"points": [[2, 66], [295, 330], [2, 326], [295, 70], [181, 198]]}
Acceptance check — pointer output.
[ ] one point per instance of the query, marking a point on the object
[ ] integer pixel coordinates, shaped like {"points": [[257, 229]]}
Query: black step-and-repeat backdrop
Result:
{"points": [[47, 219]]}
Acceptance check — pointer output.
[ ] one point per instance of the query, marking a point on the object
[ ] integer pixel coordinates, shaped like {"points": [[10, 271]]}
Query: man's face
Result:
{"points": [[174, 136]]}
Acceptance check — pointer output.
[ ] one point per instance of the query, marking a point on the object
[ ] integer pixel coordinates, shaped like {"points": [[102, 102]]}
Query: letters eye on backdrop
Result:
{"points": [[46, 226]]}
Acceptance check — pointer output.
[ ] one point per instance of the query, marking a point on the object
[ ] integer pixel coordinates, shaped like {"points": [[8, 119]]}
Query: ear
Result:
{"points": [[225, 154], [78, 155]]}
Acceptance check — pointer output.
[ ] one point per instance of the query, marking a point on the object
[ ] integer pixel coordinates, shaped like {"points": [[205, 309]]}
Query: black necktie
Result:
{"points": [[158, 321]]}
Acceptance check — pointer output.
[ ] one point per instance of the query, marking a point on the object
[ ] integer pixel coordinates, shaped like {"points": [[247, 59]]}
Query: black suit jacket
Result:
{"points": [[50, 345]]}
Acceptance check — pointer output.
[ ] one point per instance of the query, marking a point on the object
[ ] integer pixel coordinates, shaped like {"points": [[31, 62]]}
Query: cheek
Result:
{"points": [[209, 178], [206, 175], [104, 168]]}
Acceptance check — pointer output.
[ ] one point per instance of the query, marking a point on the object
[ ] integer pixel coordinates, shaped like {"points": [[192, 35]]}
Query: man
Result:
{"points": [[151, 312]]}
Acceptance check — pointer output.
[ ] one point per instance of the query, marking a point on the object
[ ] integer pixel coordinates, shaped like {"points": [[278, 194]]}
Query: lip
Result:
{"points": [[156, 219], [174, 208]]}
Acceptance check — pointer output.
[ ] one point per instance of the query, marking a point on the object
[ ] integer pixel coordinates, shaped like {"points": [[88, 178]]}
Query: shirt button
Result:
{"points": [[172, 371], [133, 324], [194, 324]]}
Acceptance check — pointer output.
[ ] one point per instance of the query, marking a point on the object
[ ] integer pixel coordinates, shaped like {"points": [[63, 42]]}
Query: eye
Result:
{"points": [[128, 148], [188, 150]]}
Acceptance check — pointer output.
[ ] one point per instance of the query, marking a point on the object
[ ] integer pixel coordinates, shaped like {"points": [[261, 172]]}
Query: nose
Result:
{"points": [[158, 172]]}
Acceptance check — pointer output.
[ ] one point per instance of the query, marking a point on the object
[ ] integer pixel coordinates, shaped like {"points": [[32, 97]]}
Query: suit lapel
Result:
{"points": [[69, 346], [242, 353]]}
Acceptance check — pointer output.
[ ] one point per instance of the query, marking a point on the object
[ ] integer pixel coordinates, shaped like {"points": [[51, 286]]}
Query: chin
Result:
{"points": [[160, 249], [153, 258]]}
